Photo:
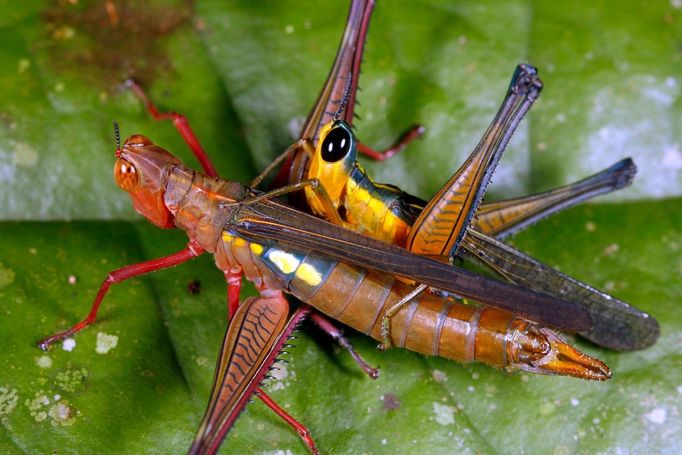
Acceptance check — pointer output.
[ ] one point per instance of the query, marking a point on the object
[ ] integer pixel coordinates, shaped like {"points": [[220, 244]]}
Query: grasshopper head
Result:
{"points": [[333, 160], [141, 170]]}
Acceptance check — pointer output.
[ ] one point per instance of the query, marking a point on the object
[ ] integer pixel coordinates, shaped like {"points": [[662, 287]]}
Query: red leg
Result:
{"points": [[326, 325], [181, 124], [302, 431], [410, 135], [234, 287], [117, 276]]}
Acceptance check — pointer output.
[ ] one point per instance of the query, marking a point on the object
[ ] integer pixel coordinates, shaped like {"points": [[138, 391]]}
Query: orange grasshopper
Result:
{"points": [[282, 249]]}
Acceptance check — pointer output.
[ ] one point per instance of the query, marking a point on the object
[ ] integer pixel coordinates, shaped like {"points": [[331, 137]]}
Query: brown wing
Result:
{"points": [[270, 221]]}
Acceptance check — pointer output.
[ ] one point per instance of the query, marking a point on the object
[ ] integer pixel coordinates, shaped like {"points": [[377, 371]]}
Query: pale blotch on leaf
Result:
{"points": [[445, 415], [23, 65], [36, 404], [6, 276], [62, 414], [8, 400], [438, 376], [546, 408], [105, 342], [72, 380], [611, 249], [44, 361], [24, 155], [280, 373], [657, 416], [68, 344]]}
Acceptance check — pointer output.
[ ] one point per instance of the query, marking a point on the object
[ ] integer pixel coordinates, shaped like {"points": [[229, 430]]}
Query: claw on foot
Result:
{"points": [[46, 343]]}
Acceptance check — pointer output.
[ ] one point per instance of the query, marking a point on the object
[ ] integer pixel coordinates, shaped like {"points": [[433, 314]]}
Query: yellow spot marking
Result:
{"points": [[238, 241], [309, 274], [256, 249], [286, 262], [227, 237]]}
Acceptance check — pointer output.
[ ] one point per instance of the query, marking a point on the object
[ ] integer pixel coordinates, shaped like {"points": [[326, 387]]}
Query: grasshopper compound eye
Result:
{"points": [[337, 143], [126, 175]]}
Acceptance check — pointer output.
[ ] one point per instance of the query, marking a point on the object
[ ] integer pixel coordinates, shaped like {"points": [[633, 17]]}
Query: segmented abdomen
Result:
{"points": [[429, 324]]}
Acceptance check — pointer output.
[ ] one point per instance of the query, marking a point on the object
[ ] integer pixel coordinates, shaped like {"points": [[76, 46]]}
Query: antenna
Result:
{"points": [[345, 98], [117, 135]]}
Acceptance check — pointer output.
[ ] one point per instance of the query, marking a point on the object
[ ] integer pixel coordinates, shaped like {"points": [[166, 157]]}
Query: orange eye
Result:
{"points": [[126, 175]]}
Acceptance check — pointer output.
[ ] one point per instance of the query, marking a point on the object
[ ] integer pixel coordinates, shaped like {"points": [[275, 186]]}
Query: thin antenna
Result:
{"points": [[117, 135], [346, 96]]}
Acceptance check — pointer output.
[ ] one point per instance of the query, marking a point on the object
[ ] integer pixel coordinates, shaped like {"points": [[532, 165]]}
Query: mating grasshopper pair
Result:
{"points": [[281, 249]]}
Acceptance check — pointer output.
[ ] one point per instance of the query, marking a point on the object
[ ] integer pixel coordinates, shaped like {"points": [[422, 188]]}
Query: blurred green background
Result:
{"points": [[246, 75]]}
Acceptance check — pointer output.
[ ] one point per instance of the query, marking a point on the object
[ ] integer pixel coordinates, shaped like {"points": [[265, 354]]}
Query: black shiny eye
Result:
{"points": [[337, 144]]}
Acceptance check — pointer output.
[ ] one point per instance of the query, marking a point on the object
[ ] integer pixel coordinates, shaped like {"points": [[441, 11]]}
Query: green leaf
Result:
{"points": [[246, 75]]}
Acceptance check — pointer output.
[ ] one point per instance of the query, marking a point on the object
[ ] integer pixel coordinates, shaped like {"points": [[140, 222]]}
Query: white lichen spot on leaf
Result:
{"points": [[280, 373], [8, 400], [68, 344], [72, 380], [62, 414], [657, 416], [445, 415], [36, 404], [105, 342], [439, 376], [44, 361]]}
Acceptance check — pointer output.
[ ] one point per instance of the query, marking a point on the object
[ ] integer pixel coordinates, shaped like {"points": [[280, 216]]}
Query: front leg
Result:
{"points": [[130, 271]]}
